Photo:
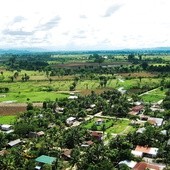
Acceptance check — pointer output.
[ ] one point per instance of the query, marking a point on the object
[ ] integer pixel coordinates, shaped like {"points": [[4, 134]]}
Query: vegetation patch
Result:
{"points": [[7, 119], [154, 96], [115, 126]]}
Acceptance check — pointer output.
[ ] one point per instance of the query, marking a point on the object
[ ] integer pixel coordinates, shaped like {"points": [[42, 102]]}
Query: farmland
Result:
{"points": [[110, 96], [39, 91]]}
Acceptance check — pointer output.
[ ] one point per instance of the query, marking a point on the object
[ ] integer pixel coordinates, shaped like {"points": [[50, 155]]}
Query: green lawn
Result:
{"points": [[35, 91], [7, 119], [106, 122], [154, 96], [32, 96], [120, 126]]}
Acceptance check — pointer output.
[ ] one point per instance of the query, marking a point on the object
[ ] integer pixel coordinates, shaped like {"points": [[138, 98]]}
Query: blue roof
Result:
{"points": [[45, 159]]}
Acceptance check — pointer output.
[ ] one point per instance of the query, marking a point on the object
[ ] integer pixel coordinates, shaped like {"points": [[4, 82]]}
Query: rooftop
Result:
{"points": [[72, 97], [130, 164], [45, 159], [145, 149], [71, 119], [158, 121], [137, 108], [96, 134], [144, 166], [137, 153], [40, 133], [14, 142]]}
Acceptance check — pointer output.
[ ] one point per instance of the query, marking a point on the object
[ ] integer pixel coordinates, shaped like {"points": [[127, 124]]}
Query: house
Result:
{"points": [[156, 107], [59, 109], [72, 97], [99, 121], [6, 127], [130, 164], [92, 106], [40, 133], [155, 121], [151, 166], [97, 135], [141, 130], [137, 153], [122, 90], [67, 154], [138, 109], [38, 167], [87, 143], [43, 159], [137, 103], [9, 131], [146, 151], [35, 134], [70, 120], [133, 113], [14, 142], [89, 109]]}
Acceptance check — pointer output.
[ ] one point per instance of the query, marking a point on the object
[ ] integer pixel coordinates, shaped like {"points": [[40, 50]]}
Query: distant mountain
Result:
{"points": [[21, 50], [156, 50]]}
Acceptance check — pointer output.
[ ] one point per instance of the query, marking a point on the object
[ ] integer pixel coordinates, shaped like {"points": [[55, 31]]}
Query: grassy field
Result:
{"points": [[128, 84], [112, 126], [154, 96], [164, 57], [38, 91], [7, 119], [120, 126], [33, 91], [23, 97]]}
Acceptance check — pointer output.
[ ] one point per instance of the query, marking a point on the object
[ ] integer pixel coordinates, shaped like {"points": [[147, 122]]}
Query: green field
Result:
{"points": [[7, 119], [154, 96], [112, 126], [32, 96], [38, 91], [164, 57]]}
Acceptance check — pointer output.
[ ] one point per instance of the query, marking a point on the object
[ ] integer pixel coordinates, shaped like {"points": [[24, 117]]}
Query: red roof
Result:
{"points": [[137, 108], [89, 142], [143, 149], [144, 166], [96, 134]]}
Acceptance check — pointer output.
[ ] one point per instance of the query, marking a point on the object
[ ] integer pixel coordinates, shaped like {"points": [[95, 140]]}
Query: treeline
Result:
{"points": [[88, 70], [159, 68], [27, 63]]}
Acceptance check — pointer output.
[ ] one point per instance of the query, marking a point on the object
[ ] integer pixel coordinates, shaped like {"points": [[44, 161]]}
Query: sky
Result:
{"points": [[84, 24]]}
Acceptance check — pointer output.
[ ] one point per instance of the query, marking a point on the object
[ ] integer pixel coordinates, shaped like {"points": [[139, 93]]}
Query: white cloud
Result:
{"points": [[84, 24]]}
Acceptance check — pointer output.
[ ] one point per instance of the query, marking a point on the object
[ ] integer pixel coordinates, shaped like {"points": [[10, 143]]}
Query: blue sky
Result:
{"points": [[84, 24]]}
